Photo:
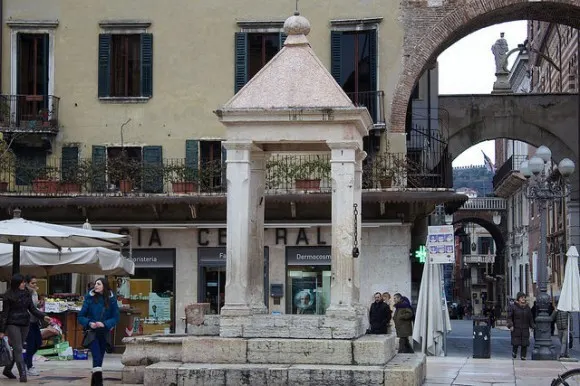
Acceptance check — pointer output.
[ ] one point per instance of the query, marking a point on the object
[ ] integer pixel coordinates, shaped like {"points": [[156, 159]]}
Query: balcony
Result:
{"points": [[479, 259], [507, 179], [29, 114], [374, 101], [285, 174], [485, 204]]}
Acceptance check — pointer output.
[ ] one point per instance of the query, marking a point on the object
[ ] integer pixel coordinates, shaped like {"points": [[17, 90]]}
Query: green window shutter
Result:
{"points": [[99, 167], [69, 164], [104, 65], [283, 37], [241, 61], [336, 56], [373, 58], [192, 157], [147, 65], [153, 169]]}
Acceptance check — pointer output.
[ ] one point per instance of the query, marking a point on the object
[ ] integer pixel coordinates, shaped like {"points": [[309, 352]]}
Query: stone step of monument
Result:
{"points": [[366, 350], [406, 370]]}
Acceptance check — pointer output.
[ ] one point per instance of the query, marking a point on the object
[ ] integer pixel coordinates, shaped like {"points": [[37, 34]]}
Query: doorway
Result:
{"points": [[214, 287]]}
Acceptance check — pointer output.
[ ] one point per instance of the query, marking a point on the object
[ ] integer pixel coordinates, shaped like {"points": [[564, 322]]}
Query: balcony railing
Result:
{"points": [[374, 101], [479, 259], [512, 165], [29, 113], [285, 173], [484, 203]]}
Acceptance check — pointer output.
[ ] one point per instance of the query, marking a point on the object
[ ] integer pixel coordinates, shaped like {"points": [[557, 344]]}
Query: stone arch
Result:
{"points": [[427, 34], [489, 226]]}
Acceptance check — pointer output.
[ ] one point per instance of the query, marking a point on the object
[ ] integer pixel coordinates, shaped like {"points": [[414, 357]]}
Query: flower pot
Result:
{"points": [[3, 186], [45, 186], [184, 187], [125, 186], [386, 182], [70, 187], [308, 184]]}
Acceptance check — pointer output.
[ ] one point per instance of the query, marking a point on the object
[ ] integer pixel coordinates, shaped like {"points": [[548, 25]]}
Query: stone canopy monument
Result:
{"points": [[292, 105]]}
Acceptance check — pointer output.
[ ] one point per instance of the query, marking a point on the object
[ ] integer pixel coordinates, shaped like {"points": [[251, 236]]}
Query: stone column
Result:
{"points": [[342, 286], [256, 247], [239, 220], [358, 175]]}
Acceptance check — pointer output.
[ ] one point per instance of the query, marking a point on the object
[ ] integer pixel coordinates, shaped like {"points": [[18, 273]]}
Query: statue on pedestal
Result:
{"points": [[499, 50]]}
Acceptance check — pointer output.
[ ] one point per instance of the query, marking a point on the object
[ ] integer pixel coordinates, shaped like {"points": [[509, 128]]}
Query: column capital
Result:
{"points": [[337, 145], [240, 145]]}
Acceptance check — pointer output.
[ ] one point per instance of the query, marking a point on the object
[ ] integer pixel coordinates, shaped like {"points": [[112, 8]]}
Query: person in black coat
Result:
{"points": [[519, 323], [379, 315]]}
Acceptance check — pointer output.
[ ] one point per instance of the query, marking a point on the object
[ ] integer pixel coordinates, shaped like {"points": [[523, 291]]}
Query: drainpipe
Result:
{"points": [[1, 38]]}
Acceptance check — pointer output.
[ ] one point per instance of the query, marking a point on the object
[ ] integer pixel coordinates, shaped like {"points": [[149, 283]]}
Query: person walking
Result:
{"points": [[15, 322], [561, 318], [34, 339], [379, 315], [519, 323], [100, 313], [403, 319]]}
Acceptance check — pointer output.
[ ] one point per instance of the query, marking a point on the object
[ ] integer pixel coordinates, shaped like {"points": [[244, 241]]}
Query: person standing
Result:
{"points": [[561, 318], [519, 323], [403, 319], [15, 322], [34, 339], [379, 315], [100, 313]]}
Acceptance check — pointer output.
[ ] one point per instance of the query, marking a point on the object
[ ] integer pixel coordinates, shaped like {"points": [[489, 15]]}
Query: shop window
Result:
{"points": [[308, 280]]}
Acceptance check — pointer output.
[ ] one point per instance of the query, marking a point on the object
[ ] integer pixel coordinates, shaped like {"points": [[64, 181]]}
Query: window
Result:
{"points": [[125, 65], [253, 51], [485, 245], [207, 159]]}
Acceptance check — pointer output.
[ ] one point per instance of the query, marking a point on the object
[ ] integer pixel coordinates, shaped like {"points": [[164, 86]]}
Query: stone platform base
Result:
{"points": [[407, 370]]}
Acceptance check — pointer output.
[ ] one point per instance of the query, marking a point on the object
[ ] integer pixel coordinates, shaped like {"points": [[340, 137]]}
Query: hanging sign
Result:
{"points": [[441, 244]]}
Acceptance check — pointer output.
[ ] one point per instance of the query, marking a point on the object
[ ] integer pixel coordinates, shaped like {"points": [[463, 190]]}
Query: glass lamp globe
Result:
{"points": [[566, 167], [525, 169], [544, 153], [536, 165]]}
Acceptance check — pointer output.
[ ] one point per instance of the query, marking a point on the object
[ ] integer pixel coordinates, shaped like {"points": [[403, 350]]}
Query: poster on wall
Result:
{"points": [[441, 244], [159, 308], [304, 296]]}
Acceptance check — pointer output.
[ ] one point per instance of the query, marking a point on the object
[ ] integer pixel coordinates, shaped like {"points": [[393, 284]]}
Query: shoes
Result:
{"points": [[22, 372], [33, 372], [514, 355], [8, 373], [523, 358]]}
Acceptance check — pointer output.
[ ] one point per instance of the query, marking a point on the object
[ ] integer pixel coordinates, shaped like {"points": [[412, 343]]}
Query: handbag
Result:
{"points": [[89, 335], [5, 353]]}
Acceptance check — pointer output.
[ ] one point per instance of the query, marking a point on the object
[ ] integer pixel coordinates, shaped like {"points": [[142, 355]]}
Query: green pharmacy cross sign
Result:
{"points": [[421, 254]]}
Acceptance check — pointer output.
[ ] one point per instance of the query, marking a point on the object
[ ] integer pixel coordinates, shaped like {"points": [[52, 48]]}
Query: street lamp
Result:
{"points": [[541, 188]]}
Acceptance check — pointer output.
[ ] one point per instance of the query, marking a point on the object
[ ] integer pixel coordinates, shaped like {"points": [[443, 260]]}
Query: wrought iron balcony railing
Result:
{"points": [[512, 165], [374, 101], [29, 113], [285, 173]]}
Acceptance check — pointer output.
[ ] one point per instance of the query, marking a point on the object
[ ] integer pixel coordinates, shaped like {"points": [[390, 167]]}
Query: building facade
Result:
{"points": [[108, 111]]}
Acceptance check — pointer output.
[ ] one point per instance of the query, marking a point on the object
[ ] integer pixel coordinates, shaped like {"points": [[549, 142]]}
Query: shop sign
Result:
{"points": [[213, 255], [153, 258], [281, 236], [308, 255]]}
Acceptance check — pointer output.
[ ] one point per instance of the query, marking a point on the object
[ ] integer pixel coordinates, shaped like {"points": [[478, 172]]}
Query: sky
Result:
{"points": [[468, 67]]}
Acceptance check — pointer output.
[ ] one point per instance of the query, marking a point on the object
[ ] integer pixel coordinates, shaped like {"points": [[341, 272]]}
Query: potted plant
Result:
{"points": [[46, 180], [183, 178], [390, 170], [73, 177], [308, 171], [7, 160], [123, 170]]}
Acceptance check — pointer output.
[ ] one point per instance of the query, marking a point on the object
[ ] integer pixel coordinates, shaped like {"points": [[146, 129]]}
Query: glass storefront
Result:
{"points": [[308, 280]]}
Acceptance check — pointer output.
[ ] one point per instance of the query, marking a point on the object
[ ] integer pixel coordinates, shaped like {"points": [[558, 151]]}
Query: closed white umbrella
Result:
{"points": [[18, 231], [430, 319], [570, 294]]}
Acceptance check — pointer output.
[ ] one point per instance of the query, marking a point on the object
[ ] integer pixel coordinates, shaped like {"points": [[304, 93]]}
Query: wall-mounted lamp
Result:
{"points": [[448, 219], [496, 218]]}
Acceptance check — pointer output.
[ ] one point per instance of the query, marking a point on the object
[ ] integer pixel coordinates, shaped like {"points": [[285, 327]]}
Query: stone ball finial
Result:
{"points": [[296, 25]]}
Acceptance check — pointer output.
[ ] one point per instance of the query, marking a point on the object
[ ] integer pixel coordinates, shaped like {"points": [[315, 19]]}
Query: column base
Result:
{"points": [[340, 311], [258, 309], [544, 353], [236, 310]]}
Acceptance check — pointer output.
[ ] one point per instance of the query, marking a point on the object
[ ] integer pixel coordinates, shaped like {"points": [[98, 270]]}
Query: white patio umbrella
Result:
{"points": [[570, 294], [44, 262], [430, 319], [20, 232]]}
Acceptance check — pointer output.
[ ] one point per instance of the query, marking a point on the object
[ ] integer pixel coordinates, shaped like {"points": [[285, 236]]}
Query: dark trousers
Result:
{"points": [[33, 343], [523, 352], [99, 347], [404, 346]]}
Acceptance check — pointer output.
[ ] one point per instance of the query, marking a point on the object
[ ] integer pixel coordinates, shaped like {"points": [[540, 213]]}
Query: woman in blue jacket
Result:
{"points": [[99, 313]]}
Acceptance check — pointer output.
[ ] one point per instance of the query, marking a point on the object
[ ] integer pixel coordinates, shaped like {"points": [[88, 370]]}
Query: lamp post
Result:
{"points": [[541, 188]]}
